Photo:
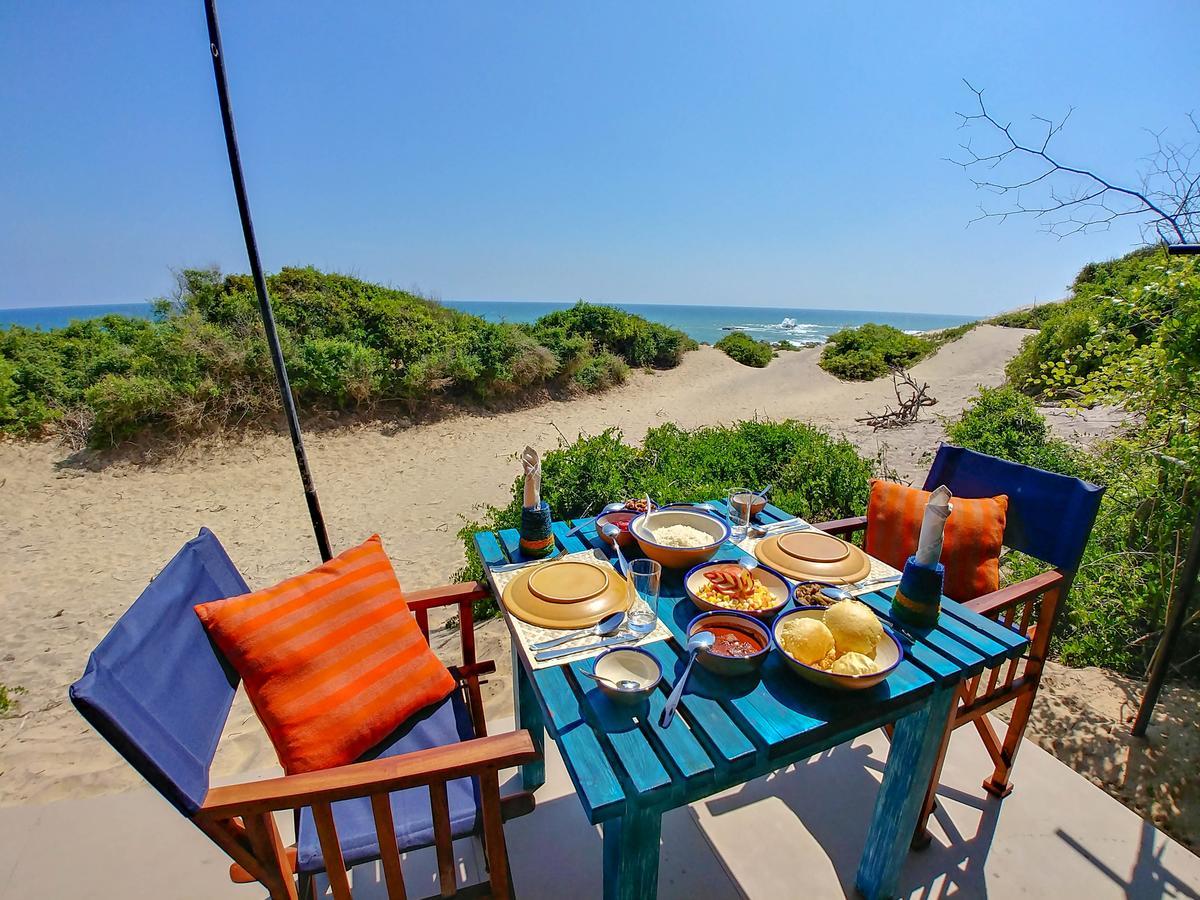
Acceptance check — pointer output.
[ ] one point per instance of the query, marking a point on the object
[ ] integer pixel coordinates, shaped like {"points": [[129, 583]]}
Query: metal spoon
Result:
{"points": [[763, 492], [701, 640], [583, 523], [612, 532], [749, 563], [625, 684], [606, 626]]}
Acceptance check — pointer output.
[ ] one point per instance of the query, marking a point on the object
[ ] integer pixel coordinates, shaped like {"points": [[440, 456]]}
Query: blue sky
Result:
{"points": [[769, 154]]}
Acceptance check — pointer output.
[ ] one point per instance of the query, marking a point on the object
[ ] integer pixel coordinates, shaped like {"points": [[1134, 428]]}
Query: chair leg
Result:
{"points": [[1000, 785]]}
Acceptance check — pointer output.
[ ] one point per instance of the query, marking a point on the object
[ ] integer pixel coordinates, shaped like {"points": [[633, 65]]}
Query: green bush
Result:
{"points": [[1031, 317], [639, 342], [204, 363], [742, 348], [815, 475], [1004, 422], [1119, 596], [871, 351]]}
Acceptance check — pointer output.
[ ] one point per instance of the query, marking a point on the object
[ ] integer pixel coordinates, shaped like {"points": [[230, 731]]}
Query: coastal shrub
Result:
{"points": [[1030, 317], [638, 341], [871, 351], [815, 475], [203, 362], [1004, 422], [742, 348], [1117, 603]]}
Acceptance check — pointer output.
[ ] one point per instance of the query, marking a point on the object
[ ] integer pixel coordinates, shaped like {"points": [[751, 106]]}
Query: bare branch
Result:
{"points": [[1079, 200]]}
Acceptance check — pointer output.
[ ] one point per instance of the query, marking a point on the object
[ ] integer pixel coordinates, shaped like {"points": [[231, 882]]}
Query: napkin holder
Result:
{"points": [[918, 599], [537, 540]]}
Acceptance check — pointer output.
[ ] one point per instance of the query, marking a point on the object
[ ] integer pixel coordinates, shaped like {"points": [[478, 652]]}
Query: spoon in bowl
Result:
{"points": [[606, 626], [612, 532], [701, 640], [625, 684]]}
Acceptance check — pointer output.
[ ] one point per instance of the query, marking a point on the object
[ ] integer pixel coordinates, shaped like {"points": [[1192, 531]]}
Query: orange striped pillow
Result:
{"points": [[973, 539], [333, 660]]}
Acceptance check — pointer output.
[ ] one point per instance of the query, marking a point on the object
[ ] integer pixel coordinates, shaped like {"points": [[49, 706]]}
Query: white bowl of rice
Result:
{"points": [[679, 538]]}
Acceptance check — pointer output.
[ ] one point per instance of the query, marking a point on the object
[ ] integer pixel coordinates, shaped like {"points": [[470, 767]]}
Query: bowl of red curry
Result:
{"points": [[742, 642]]}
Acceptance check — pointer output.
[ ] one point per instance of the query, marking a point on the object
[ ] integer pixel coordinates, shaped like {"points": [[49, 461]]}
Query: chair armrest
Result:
{"points": [[843, 526], [448, 595], [998, 601], [376, 776]]}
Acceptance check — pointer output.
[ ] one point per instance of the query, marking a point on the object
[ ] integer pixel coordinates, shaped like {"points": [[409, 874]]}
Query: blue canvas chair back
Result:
{"points": [[155, 687], [1050, 516]]}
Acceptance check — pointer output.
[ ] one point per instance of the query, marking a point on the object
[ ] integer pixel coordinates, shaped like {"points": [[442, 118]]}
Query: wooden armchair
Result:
{"points": [[1050, 517], [159, 691]]}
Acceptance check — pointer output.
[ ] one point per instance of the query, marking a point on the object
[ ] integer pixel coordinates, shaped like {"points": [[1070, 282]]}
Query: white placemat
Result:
{"points": [[525, 634], [879, 569]]}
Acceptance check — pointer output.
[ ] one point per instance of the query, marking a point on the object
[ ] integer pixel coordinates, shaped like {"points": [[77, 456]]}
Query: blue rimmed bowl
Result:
{"points": [[746, 627], [779, 586], [888, 655], [644, 525], [627, 663]]}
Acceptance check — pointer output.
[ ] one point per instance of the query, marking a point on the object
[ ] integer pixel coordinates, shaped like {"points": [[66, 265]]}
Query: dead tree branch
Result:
{"points": [[908, 408], [1076, 200]]}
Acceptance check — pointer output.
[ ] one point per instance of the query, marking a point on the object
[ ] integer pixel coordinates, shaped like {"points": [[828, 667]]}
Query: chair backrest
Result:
{"points": [[1050, 516], [155, 687]]}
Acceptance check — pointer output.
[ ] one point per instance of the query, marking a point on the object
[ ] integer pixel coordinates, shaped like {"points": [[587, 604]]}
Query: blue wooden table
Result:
{"points": [[628, 771]]}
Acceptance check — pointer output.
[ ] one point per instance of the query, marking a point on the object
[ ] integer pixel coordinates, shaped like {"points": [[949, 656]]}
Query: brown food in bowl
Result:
{"points": [[809, 594], [735, 642]]}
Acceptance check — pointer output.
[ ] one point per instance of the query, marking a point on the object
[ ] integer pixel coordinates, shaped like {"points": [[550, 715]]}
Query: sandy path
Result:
{"points": [[79, 545]]}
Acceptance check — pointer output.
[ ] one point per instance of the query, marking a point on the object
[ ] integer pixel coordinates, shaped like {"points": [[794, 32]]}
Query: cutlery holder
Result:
{"points": [[537, 540], [918, 599]]}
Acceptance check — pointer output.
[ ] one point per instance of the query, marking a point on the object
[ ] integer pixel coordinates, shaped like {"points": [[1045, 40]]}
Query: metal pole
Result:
{"points": [[1181, 600], [260, 283]]}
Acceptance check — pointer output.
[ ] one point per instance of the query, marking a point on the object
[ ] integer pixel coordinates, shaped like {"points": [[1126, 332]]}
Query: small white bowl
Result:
{"points": [[627, 664]]}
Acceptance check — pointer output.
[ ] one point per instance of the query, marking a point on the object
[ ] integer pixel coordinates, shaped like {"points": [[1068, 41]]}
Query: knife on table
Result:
{"points": [[547, 655]]}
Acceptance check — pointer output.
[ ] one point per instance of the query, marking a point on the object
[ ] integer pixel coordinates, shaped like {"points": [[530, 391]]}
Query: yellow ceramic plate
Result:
{"points": [[814, 556], [572, 593]]}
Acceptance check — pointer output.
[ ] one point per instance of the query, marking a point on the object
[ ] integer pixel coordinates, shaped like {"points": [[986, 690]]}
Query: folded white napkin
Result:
{"points": [[933, 527], [532, 463]]}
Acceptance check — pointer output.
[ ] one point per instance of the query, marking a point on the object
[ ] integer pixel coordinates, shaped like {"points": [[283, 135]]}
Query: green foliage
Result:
{"points": [[1004, 422], [1030, 317], [742, 348], [871, 351], [8, 698], [1119, 597], [348, 344], [639, 342], [815, 475]]}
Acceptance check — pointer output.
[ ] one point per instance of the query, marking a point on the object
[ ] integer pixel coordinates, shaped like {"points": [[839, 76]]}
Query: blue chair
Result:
{"points": [[159, 691], [1050, 518]]}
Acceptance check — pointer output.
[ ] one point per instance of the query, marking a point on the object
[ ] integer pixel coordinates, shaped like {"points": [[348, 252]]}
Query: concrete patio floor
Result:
{"points": [[798, 833]]}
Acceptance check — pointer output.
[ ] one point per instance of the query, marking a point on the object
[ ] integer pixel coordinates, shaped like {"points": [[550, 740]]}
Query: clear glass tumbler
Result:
{"points": [[741, 501], [645, 577]]}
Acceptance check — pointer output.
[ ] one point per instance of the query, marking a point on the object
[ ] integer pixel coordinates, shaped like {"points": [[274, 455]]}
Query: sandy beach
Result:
{"points": [[80, 543]]}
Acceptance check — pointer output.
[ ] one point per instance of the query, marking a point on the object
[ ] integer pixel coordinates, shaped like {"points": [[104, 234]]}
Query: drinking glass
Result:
{"points": [[645, 576], [741, 501]]}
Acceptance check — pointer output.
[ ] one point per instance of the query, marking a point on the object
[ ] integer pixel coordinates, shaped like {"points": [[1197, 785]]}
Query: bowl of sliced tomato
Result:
{"points": [[726, 586]]}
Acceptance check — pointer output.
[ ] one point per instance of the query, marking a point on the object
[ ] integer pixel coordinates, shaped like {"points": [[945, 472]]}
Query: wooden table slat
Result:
{"points": [[1010, 638], [726, 744], [935, 652]]}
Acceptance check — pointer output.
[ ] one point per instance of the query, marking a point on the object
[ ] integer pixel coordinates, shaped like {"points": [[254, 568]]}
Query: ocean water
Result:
{"points": [[711, 323], [704, 323]]}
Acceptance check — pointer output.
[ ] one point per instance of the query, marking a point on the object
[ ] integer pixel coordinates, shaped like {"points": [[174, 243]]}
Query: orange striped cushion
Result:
{"points": [[333, 660], [973, 539]]}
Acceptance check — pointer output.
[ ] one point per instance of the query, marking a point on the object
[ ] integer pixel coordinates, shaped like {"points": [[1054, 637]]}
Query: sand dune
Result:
{"points": [[79, 545]]}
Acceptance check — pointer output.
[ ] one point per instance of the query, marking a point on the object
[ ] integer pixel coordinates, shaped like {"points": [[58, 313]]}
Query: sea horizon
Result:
{"points": [[703, 323]]}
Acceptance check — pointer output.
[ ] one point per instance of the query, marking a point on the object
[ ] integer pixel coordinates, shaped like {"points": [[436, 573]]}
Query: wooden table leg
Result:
{"points": [[529, 716], [914, 751], [631, 850]]}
